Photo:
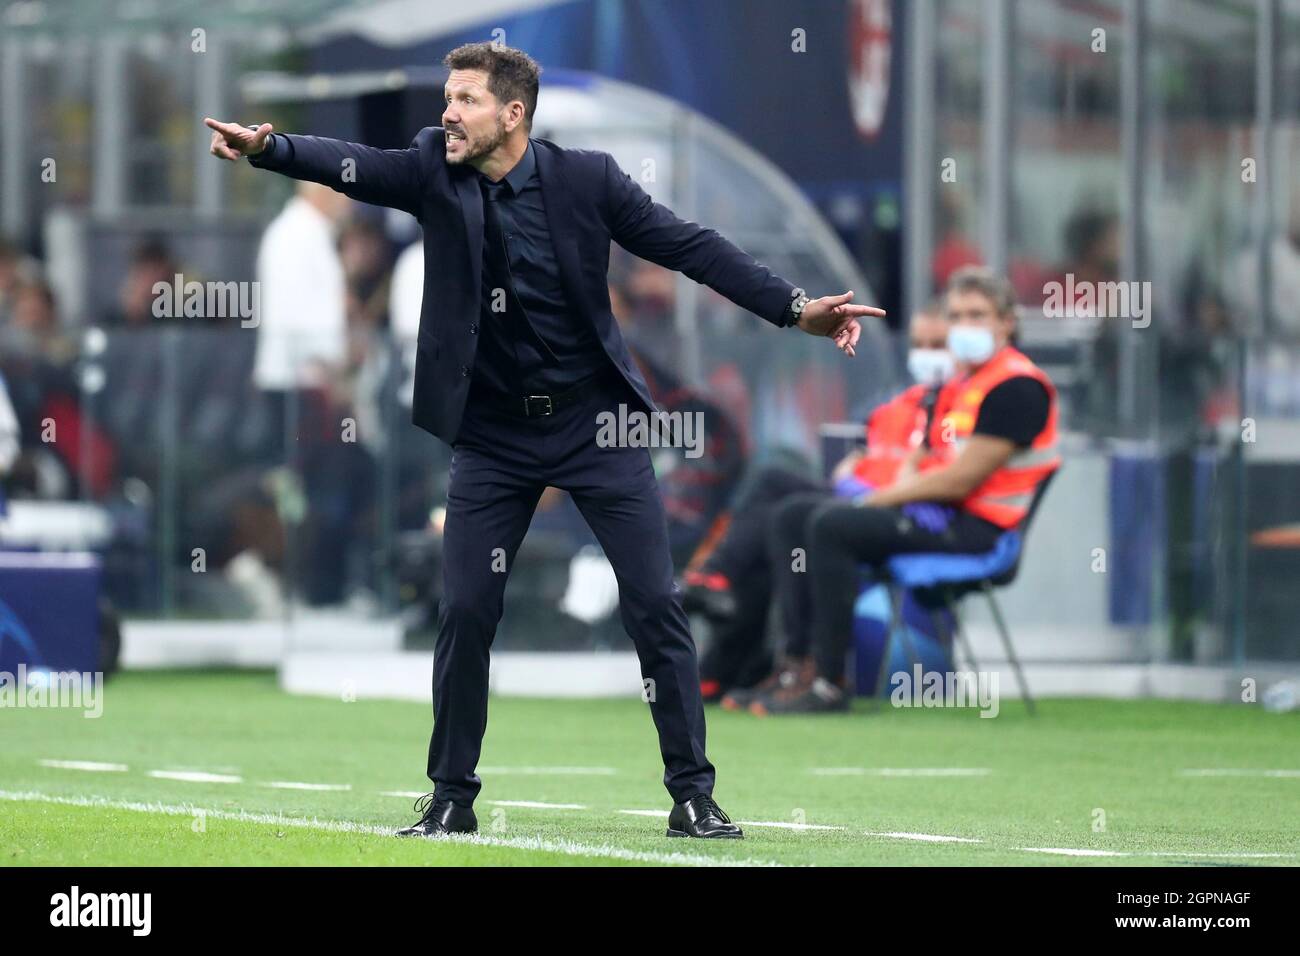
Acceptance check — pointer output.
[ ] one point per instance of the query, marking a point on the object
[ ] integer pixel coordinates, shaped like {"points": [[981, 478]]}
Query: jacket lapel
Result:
{"points": [[559, 221]]}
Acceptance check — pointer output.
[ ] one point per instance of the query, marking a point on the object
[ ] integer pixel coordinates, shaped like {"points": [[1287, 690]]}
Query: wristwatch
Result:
{"points": [[267, 148], [794, 309]]}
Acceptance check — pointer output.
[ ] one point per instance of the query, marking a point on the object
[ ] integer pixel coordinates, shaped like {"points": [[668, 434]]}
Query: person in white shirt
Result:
{"points": [[404, 312], [301, 363], [302, 326]]}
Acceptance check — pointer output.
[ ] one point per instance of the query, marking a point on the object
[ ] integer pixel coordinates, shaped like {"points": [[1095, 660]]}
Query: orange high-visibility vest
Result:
{"points": [[1004, 497], [894, 429]]}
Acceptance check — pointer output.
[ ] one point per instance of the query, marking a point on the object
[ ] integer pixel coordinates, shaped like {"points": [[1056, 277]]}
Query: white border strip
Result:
{"points": [[924, 837], [196, 776], [901, 771], [91, 765], [1238, 772]]}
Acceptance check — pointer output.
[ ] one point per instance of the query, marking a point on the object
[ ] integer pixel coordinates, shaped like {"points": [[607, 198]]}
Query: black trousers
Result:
{"points": [[500, 465], [737, 654], [818, 548]]}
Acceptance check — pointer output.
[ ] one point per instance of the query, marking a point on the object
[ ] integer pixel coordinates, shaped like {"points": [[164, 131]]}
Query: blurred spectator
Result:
{"points": [[954, 248], [695, 490], [15, 270], [648, 299], [367, 267], [301, 332], [1092, 250], [407, 290], [151, 263], [62, 448], [302, 361], [1092, 246], [1284, 263], [34, 329]]}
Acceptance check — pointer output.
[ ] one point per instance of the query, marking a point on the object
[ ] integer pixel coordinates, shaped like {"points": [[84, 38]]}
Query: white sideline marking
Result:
{"points": [[1223, 856], [498, 803], [548, 771], [91, 765], [924, 837], [1234, 772], [781, 825], [1192, 854], [902, 771], [563, 847], [775, 824], [195, 776], [295, 785]]}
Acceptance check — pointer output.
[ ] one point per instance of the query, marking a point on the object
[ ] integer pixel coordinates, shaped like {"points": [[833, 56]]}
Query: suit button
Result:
{"points": [[464, 371], [473, 329]]}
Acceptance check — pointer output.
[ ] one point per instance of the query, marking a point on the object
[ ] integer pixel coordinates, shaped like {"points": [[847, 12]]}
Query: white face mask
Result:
{"points": [[971, 343], [930, 366]]}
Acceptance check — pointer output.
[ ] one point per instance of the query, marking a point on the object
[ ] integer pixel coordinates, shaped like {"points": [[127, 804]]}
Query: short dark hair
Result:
{"points": [[512, 74]]}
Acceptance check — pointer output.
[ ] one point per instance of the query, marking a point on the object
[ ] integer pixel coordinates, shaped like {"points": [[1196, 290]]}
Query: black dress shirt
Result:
{"points": [[531, 341]]}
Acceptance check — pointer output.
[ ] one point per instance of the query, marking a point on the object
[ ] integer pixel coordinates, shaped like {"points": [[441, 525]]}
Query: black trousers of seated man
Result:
{"points": [[500, 465], [737, 654], [838, 538]]}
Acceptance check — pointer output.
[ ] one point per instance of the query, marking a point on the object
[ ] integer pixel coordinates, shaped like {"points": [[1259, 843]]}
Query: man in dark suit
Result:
{"points": [[518, 355]]}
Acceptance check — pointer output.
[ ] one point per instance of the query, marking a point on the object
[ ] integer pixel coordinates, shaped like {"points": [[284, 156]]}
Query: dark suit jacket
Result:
{"points": [[589, 201]]}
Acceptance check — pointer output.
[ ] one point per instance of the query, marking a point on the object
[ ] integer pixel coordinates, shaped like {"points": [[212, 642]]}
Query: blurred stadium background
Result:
{"points": [[1147, 140]]}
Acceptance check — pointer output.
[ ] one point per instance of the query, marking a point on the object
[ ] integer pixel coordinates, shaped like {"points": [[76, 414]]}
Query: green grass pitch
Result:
{"points": [[1094, 782]]}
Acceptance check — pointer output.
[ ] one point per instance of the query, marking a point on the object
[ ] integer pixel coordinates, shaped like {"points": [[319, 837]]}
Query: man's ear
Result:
{"points": [[515, 111]]}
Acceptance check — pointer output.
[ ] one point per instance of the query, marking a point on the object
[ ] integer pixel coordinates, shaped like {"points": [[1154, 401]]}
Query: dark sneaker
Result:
{"points": [[819, 697], [786, 675]]}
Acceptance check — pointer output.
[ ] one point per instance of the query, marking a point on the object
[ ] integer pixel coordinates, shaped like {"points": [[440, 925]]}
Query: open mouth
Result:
{"points": [[454, 138]]}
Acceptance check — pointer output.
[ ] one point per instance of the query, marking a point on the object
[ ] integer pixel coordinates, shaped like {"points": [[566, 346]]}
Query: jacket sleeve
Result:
{"points": [[382, 177], [650, 230]]}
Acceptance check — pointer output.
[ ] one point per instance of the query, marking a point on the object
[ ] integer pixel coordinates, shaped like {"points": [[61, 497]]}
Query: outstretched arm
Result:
{"points": [[650, 230], [382, 177]]}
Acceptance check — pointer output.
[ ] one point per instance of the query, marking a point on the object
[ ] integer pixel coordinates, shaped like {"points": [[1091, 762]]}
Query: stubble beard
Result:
{"points": [[477, 149]]}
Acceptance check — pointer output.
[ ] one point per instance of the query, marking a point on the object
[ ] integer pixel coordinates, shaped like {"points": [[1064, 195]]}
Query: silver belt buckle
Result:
{"points": [[548, 408]]}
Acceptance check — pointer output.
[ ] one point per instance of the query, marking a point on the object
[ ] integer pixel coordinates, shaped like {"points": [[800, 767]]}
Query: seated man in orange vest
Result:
{"points": [[992, 443], [730, 579]]}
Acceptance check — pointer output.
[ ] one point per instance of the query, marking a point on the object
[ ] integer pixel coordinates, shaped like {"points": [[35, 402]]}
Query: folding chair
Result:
{"points": [[943, 579]]}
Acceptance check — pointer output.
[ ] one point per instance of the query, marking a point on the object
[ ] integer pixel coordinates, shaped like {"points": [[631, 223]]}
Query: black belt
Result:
{"points": [[538, 406]]}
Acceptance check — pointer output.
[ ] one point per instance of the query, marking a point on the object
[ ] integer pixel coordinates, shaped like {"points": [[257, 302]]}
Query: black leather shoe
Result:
{"points": [[441, 817], [701, 817]]}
